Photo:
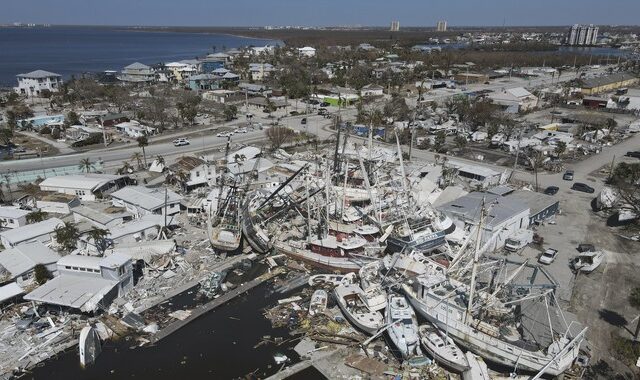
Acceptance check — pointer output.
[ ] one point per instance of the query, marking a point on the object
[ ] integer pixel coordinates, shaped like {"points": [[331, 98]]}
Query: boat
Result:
{"points": [[89, 346], [318, 302], [587, 262], [419, 235], [370, 274], [350, 300], [332, 279], [442, 348], [403, 330], [375, 297], [223, 224], [477, 368]]}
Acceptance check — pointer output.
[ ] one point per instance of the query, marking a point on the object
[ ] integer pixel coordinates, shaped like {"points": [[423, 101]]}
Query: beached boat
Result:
{"points": [[442, 348], [89, 346], [375, 297], [420, 235], [370, 274], [403, 330], [477, 368], [587, 262], [350, 301], [318, 302], [332, 279], [223, 224]]}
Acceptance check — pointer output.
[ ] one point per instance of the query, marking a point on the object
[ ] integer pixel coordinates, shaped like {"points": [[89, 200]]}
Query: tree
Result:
{"points": [[397, 108], [41, 274], [67, 235], [118, 96], [126, 168], [537, 160], [188, 106], [626, 177], [279, 135], [160, 160], [142, 143], [460, 141], [137, 157], [440, 139], [72, 118], [560, 148], [85, 165], [36, 216], [99, 237], [6, 135], [230, 112], [492, 130]]}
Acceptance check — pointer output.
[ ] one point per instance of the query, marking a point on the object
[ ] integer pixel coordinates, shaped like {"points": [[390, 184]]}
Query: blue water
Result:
{"points": [[73, 50]]}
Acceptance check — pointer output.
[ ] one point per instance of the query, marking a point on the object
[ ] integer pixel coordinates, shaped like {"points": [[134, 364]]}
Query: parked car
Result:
{"points": [[324, 104], [568, 175], [635, 154], [224, 134], [548, 256], [241, 130], [303, 121], [181, 141], [551, 190], [579, 186]]}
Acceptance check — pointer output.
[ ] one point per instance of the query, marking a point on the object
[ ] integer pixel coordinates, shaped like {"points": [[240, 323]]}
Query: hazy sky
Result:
{"points": [[320, 12]]}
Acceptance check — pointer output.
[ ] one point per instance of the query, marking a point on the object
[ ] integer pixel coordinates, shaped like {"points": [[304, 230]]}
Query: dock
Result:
{"points": [[213, 304]]}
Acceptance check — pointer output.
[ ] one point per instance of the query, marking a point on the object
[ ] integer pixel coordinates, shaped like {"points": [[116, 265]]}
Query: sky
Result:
{"points": [[320, 12]]}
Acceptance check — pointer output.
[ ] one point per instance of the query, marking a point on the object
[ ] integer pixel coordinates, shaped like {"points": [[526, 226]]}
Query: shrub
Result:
{"points": [[45, 131], [41, 274]]}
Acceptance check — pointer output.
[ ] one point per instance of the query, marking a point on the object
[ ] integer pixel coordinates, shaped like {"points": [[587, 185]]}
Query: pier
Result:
{"points": [[213, 304]]}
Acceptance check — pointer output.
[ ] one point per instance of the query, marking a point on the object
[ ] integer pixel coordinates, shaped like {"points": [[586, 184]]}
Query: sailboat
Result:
{"points": [[403, 331], [477, 368], [442, 348]]}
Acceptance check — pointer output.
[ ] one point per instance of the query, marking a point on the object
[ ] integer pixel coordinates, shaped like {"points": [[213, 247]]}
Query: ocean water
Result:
{"points": [[72, 50]]}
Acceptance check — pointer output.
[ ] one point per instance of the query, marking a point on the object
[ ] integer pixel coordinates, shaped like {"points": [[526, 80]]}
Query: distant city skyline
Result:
{"points": [[325, 13]]}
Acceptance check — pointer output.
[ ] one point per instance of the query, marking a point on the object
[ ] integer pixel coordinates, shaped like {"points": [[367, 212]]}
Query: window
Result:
{"points": [[67, 267], [197, 174], [80, 192]]}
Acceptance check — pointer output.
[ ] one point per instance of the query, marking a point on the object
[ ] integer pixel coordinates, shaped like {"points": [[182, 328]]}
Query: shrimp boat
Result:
{"points": [[443, 349], [350, 301], [420, 235], [318, 302], [403, 330], [223, 224]]}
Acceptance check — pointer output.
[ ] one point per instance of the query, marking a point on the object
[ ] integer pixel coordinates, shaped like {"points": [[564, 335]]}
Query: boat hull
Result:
{"points": [[338, 264]]}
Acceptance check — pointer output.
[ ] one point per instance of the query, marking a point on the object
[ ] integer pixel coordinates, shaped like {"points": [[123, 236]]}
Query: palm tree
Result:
{"points": [[67, 235], [143, 142], [160, 160], [36, 216], [183, 177], [7, 183], [137, 157], [99, 237], [85, 165], [126, 168]]}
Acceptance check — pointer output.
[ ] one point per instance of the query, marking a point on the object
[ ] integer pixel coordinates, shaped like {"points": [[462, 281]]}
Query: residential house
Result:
{"points": [[260, 71], [87, 187], [372, 90], [141, 201], [204, 82], [80, 132], [112, 119], [519, 97], [134, 129], [101, 215], [18, 263], [137, 73], [53, 202], [12, 217], [479, 175], [198, 172], [307, 51], [35, 82], [86, 283], [222, 96], [40, 231]]}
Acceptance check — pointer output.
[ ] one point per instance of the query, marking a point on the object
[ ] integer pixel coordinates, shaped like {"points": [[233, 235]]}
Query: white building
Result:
{"points": [[307, 51], [12, 217], [18, 262], [199, 172], [87, 187], [86, 283], [33, 83], [140, 200], [441, 26], [260, 71], [372, 90], [137, 73], [134, 129], [41, 231], [518, 97]]}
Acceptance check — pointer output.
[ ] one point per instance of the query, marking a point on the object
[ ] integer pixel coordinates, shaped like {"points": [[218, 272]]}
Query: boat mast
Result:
{"points": [[475, 265], [306, 183], [402, 172], [326, 186]]}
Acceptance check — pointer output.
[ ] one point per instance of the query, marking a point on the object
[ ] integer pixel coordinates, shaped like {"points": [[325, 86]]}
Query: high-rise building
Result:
{"points": [[441, 26], [395, 26], [580, 35]]}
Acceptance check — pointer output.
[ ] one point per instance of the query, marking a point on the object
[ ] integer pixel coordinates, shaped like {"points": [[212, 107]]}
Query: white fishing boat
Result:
{"points": [[318, 302], [477, 368], [350, 301], [332, 279], [375, 297], [89, 346], [587, 262], [442, 348], [403, 330]]}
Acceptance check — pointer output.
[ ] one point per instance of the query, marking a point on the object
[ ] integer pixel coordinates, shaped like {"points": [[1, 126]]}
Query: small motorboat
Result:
{"points": [[89, 345], [375, 297], [403, 329], [442, 348], [318, 302], [587, 262], [350, 299], [477, 368]]}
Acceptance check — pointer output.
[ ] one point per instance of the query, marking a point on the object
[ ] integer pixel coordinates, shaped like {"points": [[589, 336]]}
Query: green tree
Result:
{"points": [[126, 168], [142, 143], [99, 237], [6, 135], [41, 274], [72, 118], [461, 142], [36, 216], [85, 165], [440, 139], [560, 148], [137, 157], [230, 112], [67, 236], [279, 135]]}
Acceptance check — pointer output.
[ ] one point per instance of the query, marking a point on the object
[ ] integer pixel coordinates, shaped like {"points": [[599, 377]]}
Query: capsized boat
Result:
{"points": [[318, 302], [587, 262], [89, 346], [442, 348], [403, 330], [350, 301], [477, 368]]}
